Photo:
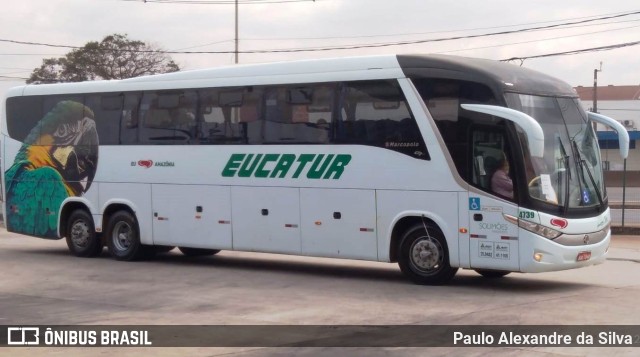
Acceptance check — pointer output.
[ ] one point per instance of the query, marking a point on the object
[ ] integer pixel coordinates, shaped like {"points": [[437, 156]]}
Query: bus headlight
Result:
{"points": [[536, 228], [539, 229]]}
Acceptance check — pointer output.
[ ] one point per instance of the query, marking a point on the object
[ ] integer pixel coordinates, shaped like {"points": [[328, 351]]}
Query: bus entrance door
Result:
{"points": [[493, 241]]}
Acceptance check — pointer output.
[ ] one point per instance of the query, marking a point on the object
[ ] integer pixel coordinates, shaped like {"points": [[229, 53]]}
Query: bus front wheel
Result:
{"points": [[424, 256], [123, 237], [81, 236]]}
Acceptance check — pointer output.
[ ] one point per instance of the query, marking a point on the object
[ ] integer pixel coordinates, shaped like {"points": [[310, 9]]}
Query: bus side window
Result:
{"points": [[107, 109], [129, 119], [62, 105], [443, 98], [249, 116], [168, 117], [23, 114], [375, 113], [219, 110], [298, 114]]}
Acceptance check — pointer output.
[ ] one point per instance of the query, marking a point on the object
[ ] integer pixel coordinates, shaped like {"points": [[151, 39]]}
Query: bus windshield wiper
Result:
{"points": [[565, 159], [582, 169]]}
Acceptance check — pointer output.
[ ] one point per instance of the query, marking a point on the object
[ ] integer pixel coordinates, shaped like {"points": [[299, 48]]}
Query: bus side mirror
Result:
{"points": [[533, 130], [623, 134]]}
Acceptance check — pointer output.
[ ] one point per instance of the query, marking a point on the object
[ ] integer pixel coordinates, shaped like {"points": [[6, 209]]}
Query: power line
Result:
{"points": [[574, 52], [353, 46], [398, 43], [443, 31], [538, 40], [10, 77], [32, 54], [345, 37], [221, 2]]}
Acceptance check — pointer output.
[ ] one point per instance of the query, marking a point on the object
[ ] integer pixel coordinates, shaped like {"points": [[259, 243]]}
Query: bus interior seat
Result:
{"points": [[157, 118]]}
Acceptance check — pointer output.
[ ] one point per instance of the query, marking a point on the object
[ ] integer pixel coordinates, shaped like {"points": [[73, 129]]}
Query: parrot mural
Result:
{"points": [[58, 159]]}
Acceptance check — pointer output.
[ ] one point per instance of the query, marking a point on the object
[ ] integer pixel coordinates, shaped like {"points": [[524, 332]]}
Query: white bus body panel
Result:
{"points": [[494, 241], [197, 216], [463, 222], [555, 256], [339, 223], [266, 219], [562, 257]]}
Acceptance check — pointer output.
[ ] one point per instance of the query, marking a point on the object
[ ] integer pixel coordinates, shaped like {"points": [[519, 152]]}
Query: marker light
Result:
{"points": [[537, 257]]}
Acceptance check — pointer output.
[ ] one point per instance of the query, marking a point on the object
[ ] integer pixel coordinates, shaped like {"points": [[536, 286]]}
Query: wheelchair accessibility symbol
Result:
{"points": [[474, 203], [585, 197]]}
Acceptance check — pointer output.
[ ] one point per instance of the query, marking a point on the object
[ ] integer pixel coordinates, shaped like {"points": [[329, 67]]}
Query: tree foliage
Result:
{"points": [[115, 57]]}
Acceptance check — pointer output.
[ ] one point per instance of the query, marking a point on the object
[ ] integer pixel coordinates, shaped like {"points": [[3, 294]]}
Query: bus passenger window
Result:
{"points": [[169, 118], [299, 114], [107, 109], [375, 113], [129, 119], [230, 116]]}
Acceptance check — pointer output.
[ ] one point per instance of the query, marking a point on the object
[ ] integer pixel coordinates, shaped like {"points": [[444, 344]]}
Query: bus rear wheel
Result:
{"points": [[82, 239], [492, 274], [198, 252], [424, 256], [123, 237]]}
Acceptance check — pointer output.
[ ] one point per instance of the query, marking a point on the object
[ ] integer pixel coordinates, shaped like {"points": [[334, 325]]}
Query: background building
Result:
{"points": [[623, 104]]}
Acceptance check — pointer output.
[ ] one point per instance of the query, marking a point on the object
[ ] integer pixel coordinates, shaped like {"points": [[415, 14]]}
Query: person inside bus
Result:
{"points": [[501, 183]]}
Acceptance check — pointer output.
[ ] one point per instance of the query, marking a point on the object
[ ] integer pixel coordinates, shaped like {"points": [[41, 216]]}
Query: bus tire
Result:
{"points": [[424, 257], [123, 237], [198, 252], [492, 274], [81, 237]]}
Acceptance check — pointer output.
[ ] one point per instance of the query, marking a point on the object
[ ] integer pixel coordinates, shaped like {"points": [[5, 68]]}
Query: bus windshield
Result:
{"points": [[569, 174]]}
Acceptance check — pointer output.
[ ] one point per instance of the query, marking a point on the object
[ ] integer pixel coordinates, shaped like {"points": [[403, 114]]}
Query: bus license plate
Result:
{"points": [[582, 256]]}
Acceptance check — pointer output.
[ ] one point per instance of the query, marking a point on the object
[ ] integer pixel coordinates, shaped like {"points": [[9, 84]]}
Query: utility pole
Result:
{"points": [[595, 87], [237, 32], [595, 93]]}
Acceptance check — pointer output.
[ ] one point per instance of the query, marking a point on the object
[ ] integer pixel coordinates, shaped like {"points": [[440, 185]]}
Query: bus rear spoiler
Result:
{"points": [[623, 134], [533, 130]]}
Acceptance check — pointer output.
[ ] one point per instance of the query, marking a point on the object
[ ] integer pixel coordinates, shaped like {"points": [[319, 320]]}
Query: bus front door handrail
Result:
{"points": [[623, 134], [533, 130]]}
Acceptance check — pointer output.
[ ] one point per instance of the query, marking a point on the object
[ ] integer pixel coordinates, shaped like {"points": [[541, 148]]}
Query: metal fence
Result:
{"points": [[624, 200]]}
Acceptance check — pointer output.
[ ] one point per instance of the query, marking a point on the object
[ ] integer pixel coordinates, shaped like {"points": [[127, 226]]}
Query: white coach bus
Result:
{"points": [[434, 162]]}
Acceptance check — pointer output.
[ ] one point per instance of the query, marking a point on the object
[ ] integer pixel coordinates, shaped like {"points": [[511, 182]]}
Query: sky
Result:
{"points": [[280, 24]]}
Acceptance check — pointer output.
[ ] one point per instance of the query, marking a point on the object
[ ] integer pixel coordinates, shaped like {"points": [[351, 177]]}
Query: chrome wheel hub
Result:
{"points": [[80, 233], [122, 236], [426, 254]]}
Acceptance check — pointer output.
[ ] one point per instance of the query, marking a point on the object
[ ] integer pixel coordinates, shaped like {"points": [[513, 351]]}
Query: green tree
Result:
{"points": [[115, 57]]}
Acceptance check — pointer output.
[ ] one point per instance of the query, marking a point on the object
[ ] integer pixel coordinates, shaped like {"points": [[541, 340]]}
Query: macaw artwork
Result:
{"points": [[57, 160]]}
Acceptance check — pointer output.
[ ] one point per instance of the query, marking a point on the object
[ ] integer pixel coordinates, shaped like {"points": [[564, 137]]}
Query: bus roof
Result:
{"points": [[499, 76]]}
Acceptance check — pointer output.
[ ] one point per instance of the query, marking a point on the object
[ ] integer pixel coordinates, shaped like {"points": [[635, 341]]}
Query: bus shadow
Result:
{"points": [[465, 279], [379, 272], [260, 264]]}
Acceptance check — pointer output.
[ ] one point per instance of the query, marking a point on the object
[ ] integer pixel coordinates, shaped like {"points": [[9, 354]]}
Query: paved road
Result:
{"points": [[40, 283]]}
